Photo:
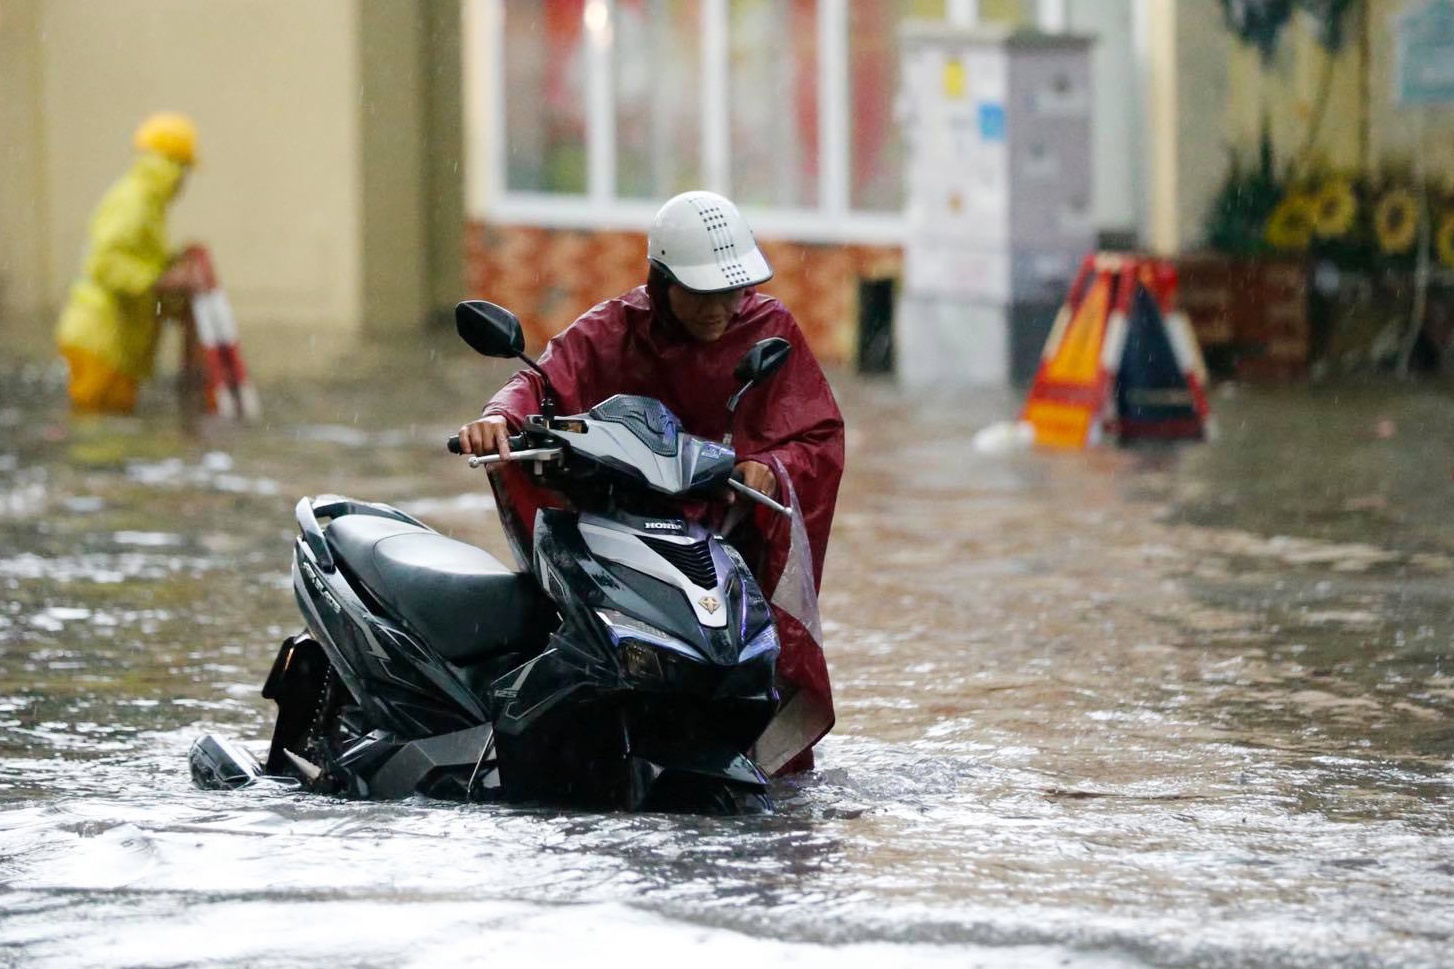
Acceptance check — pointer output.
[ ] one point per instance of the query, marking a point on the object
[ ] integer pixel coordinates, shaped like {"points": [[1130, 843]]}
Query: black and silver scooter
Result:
{"points": [[629, 664]]}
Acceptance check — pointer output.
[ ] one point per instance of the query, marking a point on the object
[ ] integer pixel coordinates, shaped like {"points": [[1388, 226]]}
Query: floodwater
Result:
{"points": [[1184, 706]]}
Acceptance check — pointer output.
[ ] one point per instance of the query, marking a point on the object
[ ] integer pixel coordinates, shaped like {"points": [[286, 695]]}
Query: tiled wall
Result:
{"points": [[548, 277]]}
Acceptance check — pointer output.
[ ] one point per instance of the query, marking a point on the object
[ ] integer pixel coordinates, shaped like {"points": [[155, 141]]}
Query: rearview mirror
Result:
{"points": [[764, 359], [491, 330]]}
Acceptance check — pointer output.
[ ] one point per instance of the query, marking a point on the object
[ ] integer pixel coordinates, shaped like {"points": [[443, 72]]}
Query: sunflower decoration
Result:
{"points": [[1291, 225], [1335, 208], [1444, 238], [1396, 221]]}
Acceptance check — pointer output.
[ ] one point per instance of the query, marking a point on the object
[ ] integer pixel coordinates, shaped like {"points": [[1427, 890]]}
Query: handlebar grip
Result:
{"points": [[517, 442]]}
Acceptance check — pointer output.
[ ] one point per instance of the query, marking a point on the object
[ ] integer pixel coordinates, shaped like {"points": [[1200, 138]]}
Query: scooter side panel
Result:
{"points": [[400, 685]]}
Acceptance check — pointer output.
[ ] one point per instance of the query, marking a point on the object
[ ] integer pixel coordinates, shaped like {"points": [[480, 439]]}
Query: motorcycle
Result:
{"points": [[629, 663]]}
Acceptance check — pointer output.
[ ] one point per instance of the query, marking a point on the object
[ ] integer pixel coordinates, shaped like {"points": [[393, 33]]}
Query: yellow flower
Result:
{"points": [[1291, 224], [1396, 221], [1337, 207], [1444, 239]]}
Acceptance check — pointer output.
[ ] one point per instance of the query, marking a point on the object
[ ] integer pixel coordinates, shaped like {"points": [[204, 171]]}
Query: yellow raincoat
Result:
{"points": [[108, 330]]}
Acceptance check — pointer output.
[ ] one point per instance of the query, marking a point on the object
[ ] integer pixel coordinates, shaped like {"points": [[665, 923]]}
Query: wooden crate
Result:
{"points": [[1250, 313]]}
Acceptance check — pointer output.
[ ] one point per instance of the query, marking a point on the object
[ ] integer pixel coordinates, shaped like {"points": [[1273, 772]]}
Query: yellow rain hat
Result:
{"points": [[168, 134]]}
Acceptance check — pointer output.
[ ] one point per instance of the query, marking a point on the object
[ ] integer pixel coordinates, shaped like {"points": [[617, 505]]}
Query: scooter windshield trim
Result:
{"points": [[648, 420]]}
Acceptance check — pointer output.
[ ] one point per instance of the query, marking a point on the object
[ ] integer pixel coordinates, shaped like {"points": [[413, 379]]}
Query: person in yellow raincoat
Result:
{"points": [[108, 330]]}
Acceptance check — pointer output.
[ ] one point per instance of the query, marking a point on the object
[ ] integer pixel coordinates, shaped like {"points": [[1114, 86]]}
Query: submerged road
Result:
{"points": [[1188, 706]]}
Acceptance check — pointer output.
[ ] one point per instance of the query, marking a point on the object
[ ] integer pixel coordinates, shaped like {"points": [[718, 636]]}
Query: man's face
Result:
{"points": [[705, 315]]}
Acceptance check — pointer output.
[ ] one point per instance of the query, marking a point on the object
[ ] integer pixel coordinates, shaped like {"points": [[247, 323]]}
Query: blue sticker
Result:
{"points": [[991, 121]]}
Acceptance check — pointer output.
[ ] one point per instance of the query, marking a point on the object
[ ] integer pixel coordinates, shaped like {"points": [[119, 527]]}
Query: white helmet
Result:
{"points": [[705, 244]]}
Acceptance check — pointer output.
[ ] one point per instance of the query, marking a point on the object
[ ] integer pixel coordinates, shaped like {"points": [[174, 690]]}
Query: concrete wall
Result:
{"points": [[1186, 52], [1203, 82], [320, 191], [411, 120], [24, 240], [271, 85], [444, 152], [391, 102]]}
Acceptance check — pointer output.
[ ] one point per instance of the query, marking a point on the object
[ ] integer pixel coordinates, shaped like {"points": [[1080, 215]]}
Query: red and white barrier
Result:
{"points": [[229, 392], [1075, 400]]}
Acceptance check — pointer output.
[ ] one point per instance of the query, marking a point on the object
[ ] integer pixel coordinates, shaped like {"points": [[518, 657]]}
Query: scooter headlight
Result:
{"points": [[640, 661], [646, 652], [652, 656]]}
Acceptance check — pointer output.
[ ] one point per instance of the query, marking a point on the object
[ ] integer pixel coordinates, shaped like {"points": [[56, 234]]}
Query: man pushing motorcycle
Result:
{"points": [[676, 339]]}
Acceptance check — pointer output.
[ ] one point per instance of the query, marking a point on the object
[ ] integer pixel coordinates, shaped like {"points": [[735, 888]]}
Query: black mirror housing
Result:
{"points": [[764, 359], [489, 329]]}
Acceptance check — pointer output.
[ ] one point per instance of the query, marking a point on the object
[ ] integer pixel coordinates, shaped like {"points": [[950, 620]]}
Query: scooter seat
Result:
{"points": [[465, 603]]}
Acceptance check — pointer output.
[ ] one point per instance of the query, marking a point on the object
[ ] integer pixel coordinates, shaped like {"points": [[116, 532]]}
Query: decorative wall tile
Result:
{"points": [[548, 277]]}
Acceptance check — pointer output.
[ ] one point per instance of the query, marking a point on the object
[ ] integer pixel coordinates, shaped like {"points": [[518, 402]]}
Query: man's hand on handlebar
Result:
{"points": [[488, 435], [758, 477]]}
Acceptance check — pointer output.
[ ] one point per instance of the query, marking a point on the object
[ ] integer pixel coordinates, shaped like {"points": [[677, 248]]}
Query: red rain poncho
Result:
{"points": [[791, 424]]}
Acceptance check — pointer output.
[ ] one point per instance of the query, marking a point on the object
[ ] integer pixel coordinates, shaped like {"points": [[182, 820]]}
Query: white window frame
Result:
{"points": [[832, 220]]}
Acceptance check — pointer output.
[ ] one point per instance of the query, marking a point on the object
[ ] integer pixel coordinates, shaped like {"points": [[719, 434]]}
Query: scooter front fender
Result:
{"points": [[724, 765]]}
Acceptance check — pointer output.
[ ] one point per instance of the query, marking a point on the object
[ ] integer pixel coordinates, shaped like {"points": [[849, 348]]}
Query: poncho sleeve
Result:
{"points": [[794, 425], [121, 260]]}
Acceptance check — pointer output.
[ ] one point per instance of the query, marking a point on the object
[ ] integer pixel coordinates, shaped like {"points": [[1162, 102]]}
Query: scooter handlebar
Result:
{"points": [[742, 488], [516, 441], [546, 454], [527, 454]]}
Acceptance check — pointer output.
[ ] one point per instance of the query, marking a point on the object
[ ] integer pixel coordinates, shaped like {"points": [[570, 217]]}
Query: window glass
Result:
{"points": [[773, 102], [545, 71], [658, 68], [875, 148]]}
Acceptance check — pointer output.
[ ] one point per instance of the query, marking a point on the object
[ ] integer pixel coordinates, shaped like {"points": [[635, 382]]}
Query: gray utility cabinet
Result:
{"points": [[999, 207]]}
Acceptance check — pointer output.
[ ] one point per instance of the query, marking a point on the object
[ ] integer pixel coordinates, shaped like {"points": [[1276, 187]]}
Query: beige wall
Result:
{"points": [[1187, 90], [24, 286], [1203, 84], [270, 85], [444, 159], [313, 193], [411, 85], [391, 95]]}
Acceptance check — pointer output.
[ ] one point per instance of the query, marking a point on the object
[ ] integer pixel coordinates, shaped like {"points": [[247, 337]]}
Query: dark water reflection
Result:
{"points": [[1180, 707]]}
